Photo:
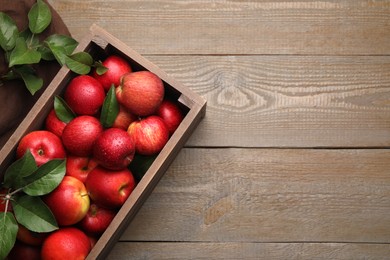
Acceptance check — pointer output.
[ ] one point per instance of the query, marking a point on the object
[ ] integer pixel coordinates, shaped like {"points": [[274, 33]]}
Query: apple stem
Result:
{"points": [[40, 152], [7, 198], [13, 192]]}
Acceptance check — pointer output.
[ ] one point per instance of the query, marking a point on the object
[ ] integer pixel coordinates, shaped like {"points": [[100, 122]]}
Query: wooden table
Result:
{"points": [[291, 160]]}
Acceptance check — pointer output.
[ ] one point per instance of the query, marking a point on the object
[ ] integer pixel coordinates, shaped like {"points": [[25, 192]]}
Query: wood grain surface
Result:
{"points": [[294, 101], [291, 160], [349, 27], [267, 195], [253, 251]]}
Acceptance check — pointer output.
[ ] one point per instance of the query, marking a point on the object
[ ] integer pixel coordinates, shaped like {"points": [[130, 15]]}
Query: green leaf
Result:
{"points": [[11, 74], [46, 178], [39, 17], [100, 68], [79, 63], [34, 214], [62, 110], [46, 53], [61, 46], [21, 54], [27, 35], [58, 53], [31, 80], [140, 165], [8, 230], [8, 32], [110, 108], [66, 42], [31, 41], [83, 57], [22, 167]]}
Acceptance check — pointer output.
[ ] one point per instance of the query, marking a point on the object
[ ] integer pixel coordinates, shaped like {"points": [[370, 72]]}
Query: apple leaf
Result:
{"points": [[61, 46], [24, 166], [79, 62], [21, 54], [68, 44], [100, 68], [39, 17], [31, 80], [62, 110], [110, 108], [8, 230], [58, 53], [8, 32], [140, 165], [10, 75], [34, 214], [46, 53], [46, 178], [31, 41]]}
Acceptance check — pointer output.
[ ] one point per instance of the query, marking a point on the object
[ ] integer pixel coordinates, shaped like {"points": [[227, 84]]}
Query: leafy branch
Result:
{"points": [[24, 49], [24, 183]]}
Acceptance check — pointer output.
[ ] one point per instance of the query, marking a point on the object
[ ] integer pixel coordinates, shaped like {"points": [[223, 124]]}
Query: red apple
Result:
{"points": [[140, 92], [84, 95], [117, 67], [123, 119], [114, 149], [97, 219], [23, 251], [171, 114], [65, 244], [109, 188], [93, 239], [54, 124], [30, 237], [150, 135], [69, 202], [43, 145], [79, 167], [80, 134]]}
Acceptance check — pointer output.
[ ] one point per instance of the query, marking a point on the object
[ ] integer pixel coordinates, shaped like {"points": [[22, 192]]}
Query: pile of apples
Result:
{"points": [[97, 180]]}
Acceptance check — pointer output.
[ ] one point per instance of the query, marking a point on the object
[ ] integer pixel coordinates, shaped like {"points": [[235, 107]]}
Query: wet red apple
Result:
{"points": [[116, 68], [108, 188], [114, 149], [84, 95]]}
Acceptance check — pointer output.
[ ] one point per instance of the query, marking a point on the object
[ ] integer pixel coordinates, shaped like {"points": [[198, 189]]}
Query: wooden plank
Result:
{"points": [[349, 27], [269, 195], [294, 101], [301, 251]]}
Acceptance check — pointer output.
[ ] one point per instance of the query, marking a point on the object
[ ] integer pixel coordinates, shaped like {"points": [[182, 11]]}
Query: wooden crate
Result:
{"points": [[99, 44]]}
